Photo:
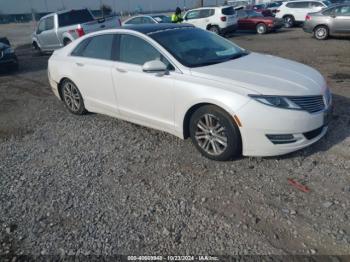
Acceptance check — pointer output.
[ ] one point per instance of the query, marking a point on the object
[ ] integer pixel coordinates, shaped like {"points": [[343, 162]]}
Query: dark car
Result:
{"points": [[334, 20], [8, 58], [251, 20]]}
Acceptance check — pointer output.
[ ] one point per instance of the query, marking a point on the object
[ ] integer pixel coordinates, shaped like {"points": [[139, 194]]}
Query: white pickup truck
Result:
{"points": [[59, 29]]}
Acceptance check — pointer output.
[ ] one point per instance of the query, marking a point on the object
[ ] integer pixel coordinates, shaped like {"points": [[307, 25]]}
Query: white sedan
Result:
{"points": [[193, 83]]}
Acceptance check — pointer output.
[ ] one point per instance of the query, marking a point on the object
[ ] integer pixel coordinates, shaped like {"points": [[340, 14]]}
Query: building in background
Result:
{"points": [[24, 10]]}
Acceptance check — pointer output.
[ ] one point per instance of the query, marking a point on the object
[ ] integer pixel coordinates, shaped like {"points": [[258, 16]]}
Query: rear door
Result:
{"points": [[92, 73], [341, 20]]}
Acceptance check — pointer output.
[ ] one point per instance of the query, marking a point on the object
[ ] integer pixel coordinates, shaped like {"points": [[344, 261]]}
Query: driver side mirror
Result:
{"points": [[155, 66]]}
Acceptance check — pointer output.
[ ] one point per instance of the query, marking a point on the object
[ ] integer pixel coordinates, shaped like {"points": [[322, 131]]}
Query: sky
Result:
{"points": [[25, 6]]}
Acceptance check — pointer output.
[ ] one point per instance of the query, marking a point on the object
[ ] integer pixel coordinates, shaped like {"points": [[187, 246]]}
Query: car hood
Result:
{"points": [[265, 74]]}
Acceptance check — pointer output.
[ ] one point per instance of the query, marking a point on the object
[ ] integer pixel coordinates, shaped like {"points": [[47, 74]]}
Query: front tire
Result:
{"points": [[321, 32], [261, 28], [72, 98], [288, 21], [215, 134]]}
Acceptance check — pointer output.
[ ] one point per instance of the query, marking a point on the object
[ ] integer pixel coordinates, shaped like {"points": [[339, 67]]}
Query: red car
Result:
{"points": [[250, 20]]}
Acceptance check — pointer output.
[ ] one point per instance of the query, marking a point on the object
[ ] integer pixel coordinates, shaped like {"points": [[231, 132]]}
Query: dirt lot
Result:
{"points": [[97, 185]]}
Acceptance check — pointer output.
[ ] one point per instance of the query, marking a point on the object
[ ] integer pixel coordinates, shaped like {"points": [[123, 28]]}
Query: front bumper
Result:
{"points": [[305, 127]]}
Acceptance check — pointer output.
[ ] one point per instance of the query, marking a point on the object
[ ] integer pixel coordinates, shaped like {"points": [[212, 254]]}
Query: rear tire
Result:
{"points": [[321, 32], [215, 29], [261, 28], [72, 98], [288, 21], [215, 134]]}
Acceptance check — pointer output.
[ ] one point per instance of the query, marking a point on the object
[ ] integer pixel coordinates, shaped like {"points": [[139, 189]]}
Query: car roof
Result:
{"points": [[152, 28]]}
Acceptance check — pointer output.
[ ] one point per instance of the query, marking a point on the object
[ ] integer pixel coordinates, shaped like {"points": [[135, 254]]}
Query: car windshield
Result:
{"points": [[162, 18], [327, 3], [194, 47]]}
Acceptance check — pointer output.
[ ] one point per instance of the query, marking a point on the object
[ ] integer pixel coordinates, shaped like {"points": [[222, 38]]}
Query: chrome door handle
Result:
{"points": [[79, 64], [120, 70]]}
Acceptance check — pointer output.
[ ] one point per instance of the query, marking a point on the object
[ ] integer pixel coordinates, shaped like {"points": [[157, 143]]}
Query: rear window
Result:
{"points": [[228, 11], [74, 17]]}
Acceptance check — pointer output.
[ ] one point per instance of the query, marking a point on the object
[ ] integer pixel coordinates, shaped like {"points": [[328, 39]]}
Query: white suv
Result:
{"points": [[295, 11], [220, 20]]}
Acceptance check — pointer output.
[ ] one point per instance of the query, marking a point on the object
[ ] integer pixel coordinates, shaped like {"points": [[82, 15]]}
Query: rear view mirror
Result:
{"points": [[154, 66]]}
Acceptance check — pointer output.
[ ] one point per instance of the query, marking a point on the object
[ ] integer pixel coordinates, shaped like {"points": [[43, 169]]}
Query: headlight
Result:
{"points": [[276, 101], [9, 51]]}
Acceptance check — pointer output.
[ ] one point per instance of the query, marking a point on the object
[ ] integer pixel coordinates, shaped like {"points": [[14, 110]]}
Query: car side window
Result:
{"points": [[98, 47], [135, 21], [147, 20], [315, 4], [204, 13], [41, 26], [49, 23], [134, 50], [193, 15], [298, 5], [343, 11]]}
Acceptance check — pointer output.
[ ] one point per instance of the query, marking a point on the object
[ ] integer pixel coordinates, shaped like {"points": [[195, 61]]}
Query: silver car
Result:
{"points": [[331, 21]]}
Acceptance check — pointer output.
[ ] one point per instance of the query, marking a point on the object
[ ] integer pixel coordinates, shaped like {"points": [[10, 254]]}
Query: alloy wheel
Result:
{"points": [[321, 33], [261, 29], [210, 135], [71, 97], [288, 21]]}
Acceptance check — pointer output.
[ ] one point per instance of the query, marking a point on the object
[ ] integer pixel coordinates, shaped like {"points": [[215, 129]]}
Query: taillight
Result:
{"points": [[223, 18], [308, 18], [80, 31]]}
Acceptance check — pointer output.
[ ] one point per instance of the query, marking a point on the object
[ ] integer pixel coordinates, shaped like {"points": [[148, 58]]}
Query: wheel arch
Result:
{"points": [[288, 15], [59, 85], [319, 25], [193, 108]]}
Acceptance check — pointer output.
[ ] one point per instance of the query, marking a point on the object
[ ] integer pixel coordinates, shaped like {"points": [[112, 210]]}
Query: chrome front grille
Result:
{"points": [[311, 104]]}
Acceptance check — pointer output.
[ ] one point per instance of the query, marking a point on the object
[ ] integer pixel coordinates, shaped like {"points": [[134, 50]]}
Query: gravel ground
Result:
{"points": [[97, 185]]}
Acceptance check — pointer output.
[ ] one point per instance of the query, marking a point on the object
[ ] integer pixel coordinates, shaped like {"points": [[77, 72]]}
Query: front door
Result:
{"points": [[145, 98]]}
